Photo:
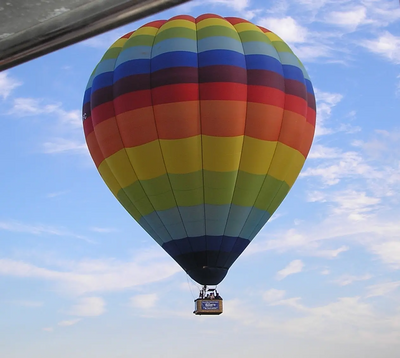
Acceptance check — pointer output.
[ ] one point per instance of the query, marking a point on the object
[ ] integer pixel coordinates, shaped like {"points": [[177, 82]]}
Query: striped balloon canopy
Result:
{"points": [[199, 127]]}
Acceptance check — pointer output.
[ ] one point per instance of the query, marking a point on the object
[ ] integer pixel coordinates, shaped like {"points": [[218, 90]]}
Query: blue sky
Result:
{"points": [[78, 277]]}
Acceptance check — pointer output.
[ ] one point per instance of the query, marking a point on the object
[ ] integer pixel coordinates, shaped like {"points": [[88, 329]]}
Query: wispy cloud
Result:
{"points": [[88, 307], [295, 266], [383, 289], [273, 295], [69, 322], [144, 301], [62, 145], [86, 276], [349, 19], [38, 229], [7, 84], [386, 45], [346, 280], [287, 27]]}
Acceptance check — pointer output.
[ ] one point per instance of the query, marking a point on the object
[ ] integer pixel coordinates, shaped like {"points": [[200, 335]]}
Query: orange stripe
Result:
{"points": [[177, 120], [157, 24], [296, 104], [308, 135], [223, 118], [263, 121], [94, 149], [236, 20], [137, 127], [292, 130], [108, 137]]}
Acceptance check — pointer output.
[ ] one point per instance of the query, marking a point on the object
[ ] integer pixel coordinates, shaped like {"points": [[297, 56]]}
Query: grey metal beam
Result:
{"points": [[83, 22]]}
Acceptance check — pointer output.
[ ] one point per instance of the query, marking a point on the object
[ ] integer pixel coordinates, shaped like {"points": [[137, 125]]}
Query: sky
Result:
{"points": [[80, 278]]}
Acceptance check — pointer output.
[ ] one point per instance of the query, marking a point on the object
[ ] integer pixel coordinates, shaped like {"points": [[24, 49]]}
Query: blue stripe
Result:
{"points": [[309, 86], [133, 67], [263, 62], [103, 80], [221, 243], [174, 59], [221, 57], [293, 73]]}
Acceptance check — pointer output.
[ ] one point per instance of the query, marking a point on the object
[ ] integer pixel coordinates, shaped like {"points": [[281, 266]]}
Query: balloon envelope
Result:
{"points": [[199, 127]]}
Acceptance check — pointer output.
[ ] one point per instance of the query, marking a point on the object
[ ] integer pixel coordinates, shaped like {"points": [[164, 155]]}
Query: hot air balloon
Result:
{"points": [[199, 127]]}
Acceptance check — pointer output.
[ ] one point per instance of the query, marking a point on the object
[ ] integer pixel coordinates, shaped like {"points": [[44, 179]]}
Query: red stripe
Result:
{"points": [[263, 29], [296, 105], [183, 17], [175, 93], [88, 126], [132, 100], [311, 116], [102, 112], [207, 16], [236, 20], [126, 36], [223, 91], [266, 95], [157, 24]]}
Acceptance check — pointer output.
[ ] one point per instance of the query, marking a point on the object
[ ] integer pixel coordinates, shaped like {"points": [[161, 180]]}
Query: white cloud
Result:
{"points": [[295, 266], [7, 84], [102, 230], [383, 289], [62, 145], [286, 28], [388, 251], [386, 45], [88, 307], [326, 101], [69, 322], [48, 329], [345, 280], [85, 276], [350, 19], [38, 229], [144, 301], [273, 295]]}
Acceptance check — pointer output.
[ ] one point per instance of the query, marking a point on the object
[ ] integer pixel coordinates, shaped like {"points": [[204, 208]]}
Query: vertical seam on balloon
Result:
{"points": [[241, 152], [104, 161], [201, 145], [159, 143], [272, 158], [129, 160]]}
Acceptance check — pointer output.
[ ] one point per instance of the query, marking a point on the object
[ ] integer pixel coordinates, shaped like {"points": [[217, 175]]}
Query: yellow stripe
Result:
{"points": [[222, 154], [109, 178], [178, 23], [245, 26], [273, 37], [182, 156], [119, 43], [257, 155], [121, 167], [286, 164], [147, 160], [213, 22], [147, 30]]}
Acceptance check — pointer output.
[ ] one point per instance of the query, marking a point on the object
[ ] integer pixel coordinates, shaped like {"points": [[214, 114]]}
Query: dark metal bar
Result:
{"points": [[76, 25]]}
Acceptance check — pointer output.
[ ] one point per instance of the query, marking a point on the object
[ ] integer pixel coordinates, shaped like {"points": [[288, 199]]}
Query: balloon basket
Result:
{"points": [[209, 302]]}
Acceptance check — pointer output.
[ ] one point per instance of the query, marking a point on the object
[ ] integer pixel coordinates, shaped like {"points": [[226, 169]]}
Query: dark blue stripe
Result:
{"points": [[86, 96], [221, 57], [205, 243]]}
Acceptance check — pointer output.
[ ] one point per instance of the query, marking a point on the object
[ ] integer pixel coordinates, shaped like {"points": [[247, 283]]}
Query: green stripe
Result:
{"points": [[216, 30], [143, 197], [175, 32], [251, 35]]}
